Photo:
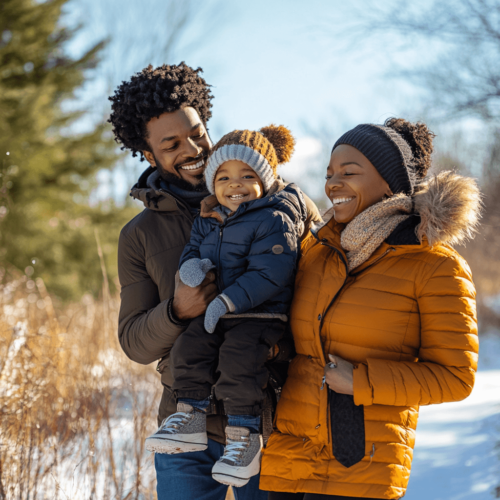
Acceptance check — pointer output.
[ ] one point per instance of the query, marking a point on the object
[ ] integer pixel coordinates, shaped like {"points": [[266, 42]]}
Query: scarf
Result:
{"points": [[368, 230], [192, 198]]}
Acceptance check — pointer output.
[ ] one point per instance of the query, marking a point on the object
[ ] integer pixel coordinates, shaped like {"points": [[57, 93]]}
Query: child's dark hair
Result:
{"points": [[151, 93], [419, 138]]}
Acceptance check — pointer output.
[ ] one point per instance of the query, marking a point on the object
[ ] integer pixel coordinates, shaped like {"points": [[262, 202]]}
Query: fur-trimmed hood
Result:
{"points": [[449, 206]]}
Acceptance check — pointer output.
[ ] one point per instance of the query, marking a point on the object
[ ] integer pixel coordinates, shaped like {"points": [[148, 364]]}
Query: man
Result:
{"points": [[161, 115]]}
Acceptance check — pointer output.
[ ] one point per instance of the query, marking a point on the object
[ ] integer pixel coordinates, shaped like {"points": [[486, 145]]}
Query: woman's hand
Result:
{"points": [[340, 379]]}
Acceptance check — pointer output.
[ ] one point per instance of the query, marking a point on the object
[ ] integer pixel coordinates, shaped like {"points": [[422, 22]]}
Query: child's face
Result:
{"points": [[235, 182]]}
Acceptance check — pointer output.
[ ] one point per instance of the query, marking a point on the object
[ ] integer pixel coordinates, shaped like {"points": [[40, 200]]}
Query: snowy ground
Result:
{"points": [[457, 452]]}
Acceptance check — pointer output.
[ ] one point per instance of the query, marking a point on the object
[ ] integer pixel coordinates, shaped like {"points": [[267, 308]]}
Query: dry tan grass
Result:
{"points": [[74, 410]]}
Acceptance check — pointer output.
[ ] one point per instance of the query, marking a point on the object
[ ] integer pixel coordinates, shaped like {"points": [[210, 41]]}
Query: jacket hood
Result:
{"points": [[449, 206], [148, 190]]}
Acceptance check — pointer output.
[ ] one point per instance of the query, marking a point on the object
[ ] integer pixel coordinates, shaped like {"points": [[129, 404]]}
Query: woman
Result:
{"points": [[383, 314]]}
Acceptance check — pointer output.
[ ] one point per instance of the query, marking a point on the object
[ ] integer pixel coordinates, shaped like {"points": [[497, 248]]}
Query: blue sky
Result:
{"points": [[288, 62]]}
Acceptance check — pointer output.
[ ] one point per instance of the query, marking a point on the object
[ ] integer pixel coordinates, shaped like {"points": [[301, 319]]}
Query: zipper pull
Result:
{"points": [[323, 380]]}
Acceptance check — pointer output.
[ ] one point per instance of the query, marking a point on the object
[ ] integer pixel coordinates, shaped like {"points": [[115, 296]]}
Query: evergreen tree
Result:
{"points": [[46, 173]]}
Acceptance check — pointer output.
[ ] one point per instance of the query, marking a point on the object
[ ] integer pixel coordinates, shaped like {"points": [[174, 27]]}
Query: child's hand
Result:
{"points": [[215, 310], [193, 271]]}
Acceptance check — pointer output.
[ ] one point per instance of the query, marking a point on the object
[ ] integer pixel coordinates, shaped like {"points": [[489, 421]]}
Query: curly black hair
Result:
{"points": [[419, 138], [151, 93]]}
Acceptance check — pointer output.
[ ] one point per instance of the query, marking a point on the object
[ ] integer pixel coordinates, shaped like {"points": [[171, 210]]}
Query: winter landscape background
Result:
{"points": [[74, 410]]}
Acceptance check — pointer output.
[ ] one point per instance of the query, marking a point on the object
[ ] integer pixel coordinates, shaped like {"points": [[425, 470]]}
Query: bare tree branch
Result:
{"points": [[458, 44]]}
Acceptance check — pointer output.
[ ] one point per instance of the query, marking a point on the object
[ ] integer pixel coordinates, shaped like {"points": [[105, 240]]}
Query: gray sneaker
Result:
{"points": [[241, 459], [182, 432]]}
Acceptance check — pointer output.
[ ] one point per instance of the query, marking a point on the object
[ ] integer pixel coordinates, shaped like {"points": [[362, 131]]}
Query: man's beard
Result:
{"points": [[178, 181]]}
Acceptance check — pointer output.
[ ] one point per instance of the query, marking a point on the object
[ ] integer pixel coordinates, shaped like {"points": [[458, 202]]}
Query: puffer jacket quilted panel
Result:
{"points": [[254, 250], [406, 319]]}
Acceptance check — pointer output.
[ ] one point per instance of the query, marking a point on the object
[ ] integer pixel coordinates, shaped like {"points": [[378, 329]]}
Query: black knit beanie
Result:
{"points": [[389, 153]]}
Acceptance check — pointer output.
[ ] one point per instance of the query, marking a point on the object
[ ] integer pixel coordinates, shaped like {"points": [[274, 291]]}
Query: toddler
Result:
{"points": [[248, 232]]}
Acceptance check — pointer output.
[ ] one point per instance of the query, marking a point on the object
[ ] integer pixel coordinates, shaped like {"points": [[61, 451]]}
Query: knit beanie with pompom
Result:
{"points": [[263, 151]]}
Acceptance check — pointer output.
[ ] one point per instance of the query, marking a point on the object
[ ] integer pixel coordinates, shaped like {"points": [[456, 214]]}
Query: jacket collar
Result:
{"points": [[148, 190], [210, 204], [448, 207], [328, 233]]}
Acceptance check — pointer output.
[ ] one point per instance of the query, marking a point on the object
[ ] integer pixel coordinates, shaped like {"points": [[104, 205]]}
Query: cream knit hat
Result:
{"points": [[263, 151]]}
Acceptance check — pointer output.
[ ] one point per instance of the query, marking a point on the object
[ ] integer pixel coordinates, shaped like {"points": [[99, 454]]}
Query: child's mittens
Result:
{"points": [[193, 271], [215, 310]]}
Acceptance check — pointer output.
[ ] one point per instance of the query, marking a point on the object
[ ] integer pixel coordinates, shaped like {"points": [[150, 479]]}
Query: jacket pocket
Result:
{"points": [[163, 368], [163, 364]]}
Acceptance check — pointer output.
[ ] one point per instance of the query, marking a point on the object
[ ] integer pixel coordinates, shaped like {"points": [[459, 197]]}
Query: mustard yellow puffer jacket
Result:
{"points": [[406, 319]]}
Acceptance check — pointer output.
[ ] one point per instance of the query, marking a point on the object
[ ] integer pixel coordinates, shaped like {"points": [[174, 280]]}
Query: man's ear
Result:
{"points": [[150, 157]]}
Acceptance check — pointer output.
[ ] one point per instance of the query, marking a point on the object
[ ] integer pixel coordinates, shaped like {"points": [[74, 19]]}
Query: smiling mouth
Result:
{"points": [[341, 201], [193, 166], [237, 197]]}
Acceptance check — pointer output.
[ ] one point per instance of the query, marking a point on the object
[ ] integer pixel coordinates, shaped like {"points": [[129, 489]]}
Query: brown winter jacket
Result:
{"points": [[406, 318], [149, 251]]}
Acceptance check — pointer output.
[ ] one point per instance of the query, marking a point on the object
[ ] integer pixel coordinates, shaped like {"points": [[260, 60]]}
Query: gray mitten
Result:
{"points": [[193, 271], [215, 310]]}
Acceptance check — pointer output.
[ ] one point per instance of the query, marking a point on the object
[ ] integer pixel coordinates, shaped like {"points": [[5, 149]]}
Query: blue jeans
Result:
{"points": [[188, 476]]}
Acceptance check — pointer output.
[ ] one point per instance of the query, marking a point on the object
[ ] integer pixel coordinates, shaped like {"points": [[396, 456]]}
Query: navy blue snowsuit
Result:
{"points": [[255, 252]]}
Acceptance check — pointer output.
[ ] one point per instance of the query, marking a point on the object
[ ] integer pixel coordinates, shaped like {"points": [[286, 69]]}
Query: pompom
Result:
{"points": [[282, 140], [419, 138]]}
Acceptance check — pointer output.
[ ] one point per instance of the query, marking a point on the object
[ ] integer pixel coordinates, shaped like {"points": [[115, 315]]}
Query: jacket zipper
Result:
{"points": [[338, 293], [323, 380], [219, 274], [336, 250]]}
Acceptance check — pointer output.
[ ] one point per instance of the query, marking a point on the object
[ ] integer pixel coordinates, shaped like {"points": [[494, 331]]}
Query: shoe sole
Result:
{"points": [[232, 476], [231, 480], [170, 447]]}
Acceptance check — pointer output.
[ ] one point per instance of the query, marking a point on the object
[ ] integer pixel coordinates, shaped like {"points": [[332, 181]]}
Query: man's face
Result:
{"points": [[179, 147]]}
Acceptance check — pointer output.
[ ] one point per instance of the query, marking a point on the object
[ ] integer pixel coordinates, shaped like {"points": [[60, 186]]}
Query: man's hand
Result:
{"points": [[340, 379], [192, 302]]}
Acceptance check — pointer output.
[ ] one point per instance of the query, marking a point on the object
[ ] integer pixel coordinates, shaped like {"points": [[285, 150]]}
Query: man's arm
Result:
{"points": [[147, 326]]}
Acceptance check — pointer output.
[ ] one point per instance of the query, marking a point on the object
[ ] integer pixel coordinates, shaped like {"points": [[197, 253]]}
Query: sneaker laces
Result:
{"points": [[171, 424], [234, 449]]}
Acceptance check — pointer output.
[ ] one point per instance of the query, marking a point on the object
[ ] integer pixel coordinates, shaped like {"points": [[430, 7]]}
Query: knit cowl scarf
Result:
{"points": [[368, 230]]}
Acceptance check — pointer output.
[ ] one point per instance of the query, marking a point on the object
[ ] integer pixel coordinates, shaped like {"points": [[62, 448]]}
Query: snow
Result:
{"points": [[457, 451]]}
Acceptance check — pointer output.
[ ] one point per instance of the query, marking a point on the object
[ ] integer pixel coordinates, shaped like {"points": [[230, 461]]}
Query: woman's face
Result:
{"points": [[352, 183]]}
